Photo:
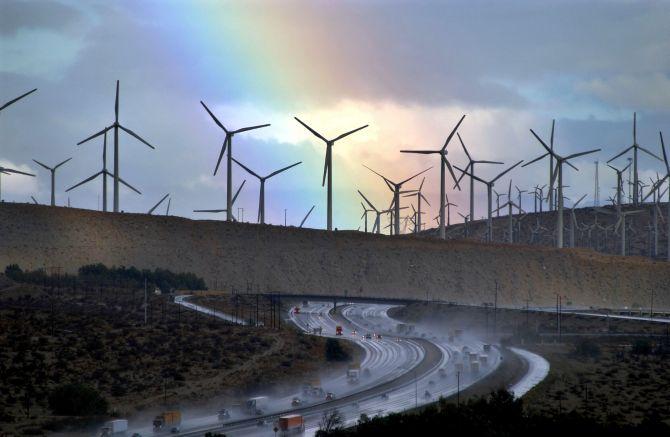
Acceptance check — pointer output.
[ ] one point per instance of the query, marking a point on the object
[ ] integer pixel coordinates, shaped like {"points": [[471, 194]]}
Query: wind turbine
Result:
{"points": [[53, 178], [262, 179], [635, 148], [237, 193], [8, 171], [510, 213], [377, 212], [228, 145], [444, 163], [558, 175], [158, 204], [471, 167], [395, 188], [520, 191], [17, 99], [573, 221], [306, 215], [328, 166], [658, 184], [116, 126], [104, 174], [489, 189], [365, 216], [419, 195]]}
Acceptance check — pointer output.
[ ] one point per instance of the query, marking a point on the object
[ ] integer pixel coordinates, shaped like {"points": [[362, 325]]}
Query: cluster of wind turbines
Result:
{"points": [[554, 198]]}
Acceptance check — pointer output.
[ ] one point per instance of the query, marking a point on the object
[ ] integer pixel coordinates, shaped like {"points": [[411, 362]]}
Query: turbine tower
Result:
{"points": [[635, 147], [395, 188], [228, 145], [104, 174], [53, 178], [444, 162], [489, 192], [558, 177], [471, 167], [116, 126], [328, 166], [262, 179]]}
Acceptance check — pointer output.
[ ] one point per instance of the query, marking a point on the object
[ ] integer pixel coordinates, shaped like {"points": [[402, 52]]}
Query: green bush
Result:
{"points": [[76, 399]]}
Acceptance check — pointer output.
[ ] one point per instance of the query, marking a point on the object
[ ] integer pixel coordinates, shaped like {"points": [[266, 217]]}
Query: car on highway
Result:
{"points": [[330, 396], [296, 402], [223, 414]]}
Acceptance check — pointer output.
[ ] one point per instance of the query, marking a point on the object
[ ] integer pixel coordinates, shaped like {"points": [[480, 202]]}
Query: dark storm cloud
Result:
{"points": [[52, 15]]}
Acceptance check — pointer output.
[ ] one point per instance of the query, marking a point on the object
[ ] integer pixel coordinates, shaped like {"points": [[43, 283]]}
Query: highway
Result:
{"points": [[400, 371]]}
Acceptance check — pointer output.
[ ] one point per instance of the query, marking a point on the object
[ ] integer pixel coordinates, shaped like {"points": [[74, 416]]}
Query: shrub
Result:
{"points": [[641, 347], [335, 352], [587, 348], [76, 399]]}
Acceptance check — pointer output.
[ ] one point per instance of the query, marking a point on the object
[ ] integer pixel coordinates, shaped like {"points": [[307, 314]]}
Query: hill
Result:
{"points": [[304, 261]]}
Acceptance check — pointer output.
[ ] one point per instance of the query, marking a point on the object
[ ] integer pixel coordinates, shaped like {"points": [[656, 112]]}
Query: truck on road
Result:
{"points": [[170, 420], [353, 373], [114, 428], [291, 424], [255, 406], [338, 330]]}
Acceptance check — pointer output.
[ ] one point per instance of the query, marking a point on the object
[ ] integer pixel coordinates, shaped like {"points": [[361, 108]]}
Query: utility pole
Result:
{"points": [[458, 389], [651, 308], [284, 217], [495, 308]]}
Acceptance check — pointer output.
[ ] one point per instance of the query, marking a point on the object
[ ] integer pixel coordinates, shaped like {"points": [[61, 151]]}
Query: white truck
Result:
{"points": [[116, 427], [353, 373], [256, 406]]}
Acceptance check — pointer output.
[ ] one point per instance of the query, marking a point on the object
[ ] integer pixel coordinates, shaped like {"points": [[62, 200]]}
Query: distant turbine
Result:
{"points": [[419, 196], [635, 148], [237, 193], [104, 174], [471, 167], [619, 182], [53, 178], [444, 162], [328, 166], [8, 171], [228, 144], [17, 99], [158, 204], [558, 174], [116, 126], [34, 200], [378, 214], [262, 179], [395, 188], [657, 186], [306, 215], [489, 191]]}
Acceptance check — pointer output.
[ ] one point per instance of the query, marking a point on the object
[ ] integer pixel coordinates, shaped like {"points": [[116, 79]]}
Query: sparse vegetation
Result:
{"points": [[335, 351]]}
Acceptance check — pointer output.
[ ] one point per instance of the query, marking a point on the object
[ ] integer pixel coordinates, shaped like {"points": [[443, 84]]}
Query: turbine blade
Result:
{"points": [[136, 136], [410, 178], [116, 102], [246, 168], [506, 171], [446, 143], [349, 133], [325, 164], [129, 186], [649, 153], [318, 135], [568, 162], [665, 156], [94, 136], [34, 201], [367, 201], [282, 169], [43, 165], [577, 203], [307, 215], [17, 99], [550, 151], [156, 205], [423, 152], [238, 192], [223, 150], [535, 160], [488, 162], [244, 129], [216, 120], [463, 145], [424, 199], [385, 179], [62, 163], [209, 210], [84, 181], [574, 155], [470, 174], [451, 171], [616, 156]]}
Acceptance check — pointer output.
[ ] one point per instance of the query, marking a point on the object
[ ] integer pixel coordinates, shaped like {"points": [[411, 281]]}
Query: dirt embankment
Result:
{"points": [[305, 261]]}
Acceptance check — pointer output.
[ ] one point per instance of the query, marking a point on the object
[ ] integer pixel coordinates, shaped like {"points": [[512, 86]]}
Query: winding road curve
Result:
{"points": [[404, 371]]}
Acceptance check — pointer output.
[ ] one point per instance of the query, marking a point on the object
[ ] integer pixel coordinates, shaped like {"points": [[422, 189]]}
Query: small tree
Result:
{"points": [[330, 421]]}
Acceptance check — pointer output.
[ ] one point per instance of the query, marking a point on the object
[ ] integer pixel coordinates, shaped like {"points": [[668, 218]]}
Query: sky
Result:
{"points": [[409, 69]]}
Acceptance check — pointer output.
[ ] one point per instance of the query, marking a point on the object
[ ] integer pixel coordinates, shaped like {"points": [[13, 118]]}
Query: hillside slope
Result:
{"points": [[295, 260]]}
